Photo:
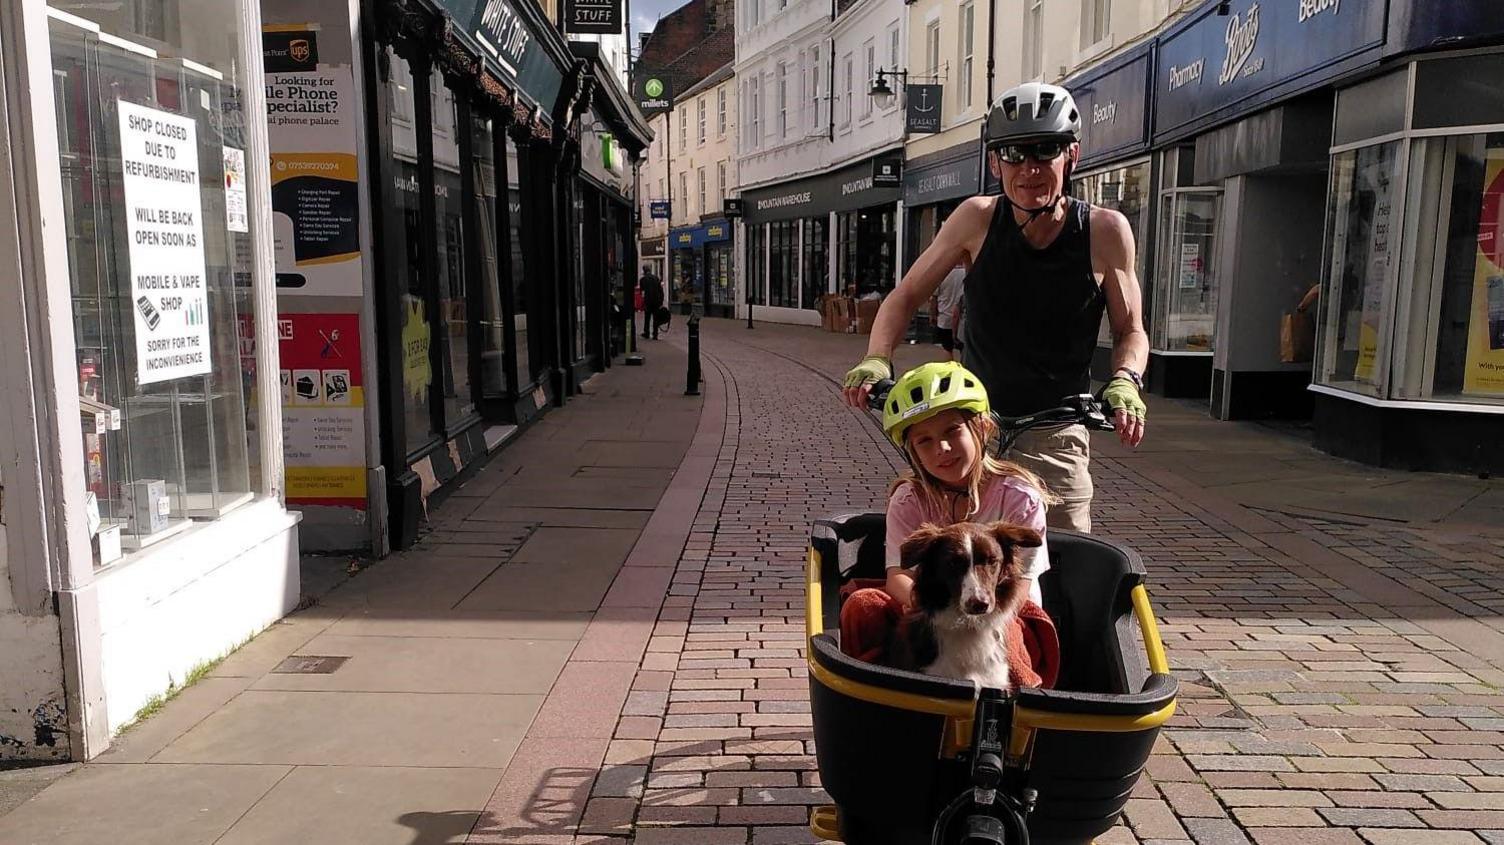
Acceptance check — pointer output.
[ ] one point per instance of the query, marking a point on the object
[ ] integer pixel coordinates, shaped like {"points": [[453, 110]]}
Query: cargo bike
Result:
{"points": [[911, 759]]}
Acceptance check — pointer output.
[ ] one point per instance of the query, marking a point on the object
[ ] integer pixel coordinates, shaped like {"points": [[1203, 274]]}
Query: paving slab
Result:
{"points": [[430, 665], [359, 729], [139, 804], [19, 784], [462, 624], [567, 545], [562, 516], [413, 582], [344, 805], [567, 586]]}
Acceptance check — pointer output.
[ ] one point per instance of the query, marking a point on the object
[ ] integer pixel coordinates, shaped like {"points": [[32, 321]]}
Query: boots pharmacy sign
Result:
{"points": [[163, 210], [1215, 67]]}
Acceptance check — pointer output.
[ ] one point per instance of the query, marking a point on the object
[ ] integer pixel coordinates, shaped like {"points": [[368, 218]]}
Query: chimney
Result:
{"points": [[719, 15]]}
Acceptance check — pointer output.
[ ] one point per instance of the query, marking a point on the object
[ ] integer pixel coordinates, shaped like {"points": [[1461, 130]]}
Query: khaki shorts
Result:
{"points": [[1062, 458]]}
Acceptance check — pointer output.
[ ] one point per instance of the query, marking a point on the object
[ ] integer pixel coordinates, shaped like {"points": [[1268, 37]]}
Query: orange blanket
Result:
{"points": [[869, 617]]}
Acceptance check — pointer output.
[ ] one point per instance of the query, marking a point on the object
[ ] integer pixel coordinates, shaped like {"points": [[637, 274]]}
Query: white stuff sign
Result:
{"points": [[164, 221]]}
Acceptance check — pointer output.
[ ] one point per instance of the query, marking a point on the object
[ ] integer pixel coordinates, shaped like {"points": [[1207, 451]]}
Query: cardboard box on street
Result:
{"points": [[866, 314]]}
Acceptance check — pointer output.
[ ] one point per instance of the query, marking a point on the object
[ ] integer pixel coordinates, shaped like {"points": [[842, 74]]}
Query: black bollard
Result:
{"points": [[692, 377], [749, 312]]}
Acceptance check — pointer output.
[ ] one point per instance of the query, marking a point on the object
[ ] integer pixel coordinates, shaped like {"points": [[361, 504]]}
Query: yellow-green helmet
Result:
{"points": [[927, 390]]}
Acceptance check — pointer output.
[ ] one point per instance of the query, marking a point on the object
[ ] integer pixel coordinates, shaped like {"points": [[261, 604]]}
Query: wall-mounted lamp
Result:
{"points": [[880, 92]]}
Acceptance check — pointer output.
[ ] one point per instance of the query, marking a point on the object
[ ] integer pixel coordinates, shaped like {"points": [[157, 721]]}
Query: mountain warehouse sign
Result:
{"points": [[846, 189]]}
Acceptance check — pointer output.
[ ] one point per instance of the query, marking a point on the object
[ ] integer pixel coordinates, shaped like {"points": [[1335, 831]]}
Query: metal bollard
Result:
{"points": [[692, 377], [749, 312]]}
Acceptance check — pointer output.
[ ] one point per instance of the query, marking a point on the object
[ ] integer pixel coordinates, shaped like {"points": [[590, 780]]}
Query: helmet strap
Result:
{"points": [[1036, 213]]}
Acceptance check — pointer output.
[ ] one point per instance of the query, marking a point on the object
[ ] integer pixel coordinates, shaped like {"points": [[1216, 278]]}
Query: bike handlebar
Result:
{"points": [[1082, 408]]}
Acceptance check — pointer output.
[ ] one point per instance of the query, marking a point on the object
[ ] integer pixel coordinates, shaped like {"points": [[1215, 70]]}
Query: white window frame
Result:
{"points": [[817, 67], [783, 100], [684, 193], [966, 50], [871, 50], [1033, 36], [700, 177], [683, 128], [894, 46], [700, 109], [846, 109], [720, 112], [720, 180], [754, 107], [1096, 22], [932, 48]]}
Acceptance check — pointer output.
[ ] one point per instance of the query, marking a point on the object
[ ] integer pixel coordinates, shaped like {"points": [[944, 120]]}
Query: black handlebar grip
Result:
{"points": [[879, 393]]}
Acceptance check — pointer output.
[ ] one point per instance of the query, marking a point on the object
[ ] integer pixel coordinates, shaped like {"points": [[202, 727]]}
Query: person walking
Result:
{"points": [[652, 302], [946, 306], [1044, 268]]}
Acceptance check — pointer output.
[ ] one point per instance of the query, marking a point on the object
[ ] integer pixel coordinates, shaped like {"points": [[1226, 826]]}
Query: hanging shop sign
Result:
{"points": [[163, 211], [887, 170], [655, 93], [1231, 64], [922, 108], [731, 207], [323, 409], [658, 209], [593, 17]]}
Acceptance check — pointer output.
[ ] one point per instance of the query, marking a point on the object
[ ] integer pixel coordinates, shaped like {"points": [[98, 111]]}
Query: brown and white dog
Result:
{"points": [[968, 586]]}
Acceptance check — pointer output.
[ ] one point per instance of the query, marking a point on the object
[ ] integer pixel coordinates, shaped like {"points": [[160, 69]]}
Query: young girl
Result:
{"points": [[938, 414]]}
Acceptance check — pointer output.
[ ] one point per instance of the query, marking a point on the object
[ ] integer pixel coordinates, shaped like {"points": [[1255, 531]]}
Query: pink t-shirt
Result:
{"points": [[1003, 498]]}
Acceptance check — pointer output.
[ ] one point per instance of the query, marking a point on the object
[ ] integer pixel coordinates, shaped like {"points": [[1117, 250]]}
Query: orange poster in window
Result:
{"points": [[1484, 373]]}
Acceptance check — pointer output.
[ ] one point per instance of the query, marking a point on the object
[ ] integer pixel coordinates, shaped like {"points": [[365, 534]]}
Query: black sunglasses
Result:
{"points": [[1043, 152]]}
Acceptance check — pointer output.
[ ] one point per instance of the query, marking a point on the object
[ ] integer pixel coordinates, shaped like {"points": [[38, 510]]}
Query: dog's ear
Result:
{"points": [[920, 546], [1009, 534]]}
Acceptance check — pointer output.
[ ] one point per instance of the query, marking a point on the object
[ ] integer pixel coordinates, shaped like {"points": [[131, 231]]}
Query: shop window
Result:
{"points": [[405, 257], [496, 382], [783, 252], [719, 270], [816, 270], [449, 210], [1125, 190], [526, 343], [1361, 231], [577, 311], [1186, 285], [756, 264], [156, 218], [1451, 345]]}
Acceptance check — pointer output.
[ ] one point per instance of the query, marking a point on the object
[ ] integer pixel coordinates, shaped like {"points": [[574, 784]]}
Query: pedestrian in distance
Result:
{"points": [[946, 306], [652, 302]]}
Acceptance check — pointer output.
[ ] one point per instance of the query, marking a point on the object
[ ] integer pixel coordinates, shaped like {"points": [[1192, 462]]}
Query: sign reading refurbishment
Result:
{"points": [[163, 208], [592, 17], [922, 108], [654, 94]]}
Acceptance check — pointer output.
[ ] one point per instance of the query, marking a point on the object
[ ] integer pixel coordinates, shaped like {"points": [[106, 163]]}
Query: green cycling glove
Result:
{"points": [[872, 369], [1121, 394]]}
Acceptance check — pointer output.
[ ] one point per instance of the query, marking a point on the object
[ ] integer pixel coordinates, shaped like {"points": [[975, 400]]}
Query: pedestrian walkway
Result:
{"points": [[601, 641]]}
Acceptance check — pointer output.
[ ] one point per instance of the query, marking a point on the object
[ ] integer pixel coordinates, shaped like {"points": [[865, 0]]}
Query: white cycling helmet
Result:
{"points": [[1033, 111]]}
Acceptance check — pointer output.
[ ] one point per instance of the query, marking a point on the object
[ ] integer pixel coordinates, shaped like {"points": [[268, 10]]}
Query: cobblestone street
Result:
{"points": [[1335, 680]]}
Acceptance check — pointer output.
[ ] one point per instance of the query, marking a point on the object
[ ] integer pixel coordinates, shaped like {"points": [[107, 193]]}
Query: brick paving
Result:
{"points": [[1313, 711]]}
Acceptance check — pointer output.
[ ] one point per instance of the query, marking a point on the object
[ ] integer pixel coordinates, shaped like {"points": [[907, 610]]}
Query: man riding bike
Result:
{"points": [[1044, 266]]}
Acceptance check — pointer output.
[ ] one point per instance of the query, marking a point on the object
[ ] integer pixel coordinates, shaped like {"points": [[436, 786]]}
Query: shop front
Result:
{"points": [[143, 530], [1241, 126], [481, 322], [933, 186], [834, 232], [1409, 367], [702, 267], [1114, 172]]}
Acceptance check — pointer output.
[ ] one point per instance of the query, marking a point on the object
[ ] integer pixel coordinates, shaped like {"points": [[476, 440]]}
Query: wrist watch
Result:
{"points": [[1133, 376]]}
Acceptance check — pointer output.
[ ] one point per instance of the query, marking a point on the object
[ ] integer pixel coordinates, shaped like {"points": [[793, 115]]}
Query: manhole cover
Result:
{"points": [[302, 664]]}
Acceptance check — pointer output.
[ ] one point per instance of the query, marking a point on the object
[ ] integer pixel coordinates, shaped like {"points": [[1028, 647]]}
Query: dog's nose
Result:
{"points": [[977, 607]]}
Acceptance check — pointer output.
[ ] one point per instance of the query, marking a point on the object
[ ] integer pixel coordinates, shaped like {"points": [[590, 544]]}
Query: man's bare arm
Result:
{"points": [[1113, 255]]}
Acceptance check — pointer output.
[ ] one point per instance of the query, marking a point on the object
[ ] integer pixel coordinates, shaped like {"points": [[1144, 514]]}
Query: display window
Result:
{"points": [[156, 211], [783, 263], [1126, 189], [816, 254], [1363, 239], [1185, 284]]}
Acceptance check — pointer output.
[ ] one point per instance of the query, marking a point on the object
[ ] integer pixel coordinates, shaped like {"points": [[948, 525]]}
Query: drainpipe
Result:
{"points": [[831, 130], [991, 51]]}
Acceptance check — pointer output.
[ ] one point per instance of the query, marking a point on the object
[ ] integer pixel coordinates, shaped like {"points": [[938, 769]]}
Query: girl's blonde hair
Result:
{"points": [[930, 489]]}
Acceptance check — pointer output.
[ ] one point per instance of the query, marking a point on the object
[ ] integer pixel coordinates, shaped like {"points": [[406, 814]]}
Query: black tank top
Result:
{"points": [[1031, 316]]}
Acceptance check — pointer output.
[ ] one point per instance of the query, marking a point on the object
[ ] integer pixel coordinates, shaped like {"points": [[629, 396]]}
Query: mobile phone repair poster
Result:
{"points": [[315, 172]]}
